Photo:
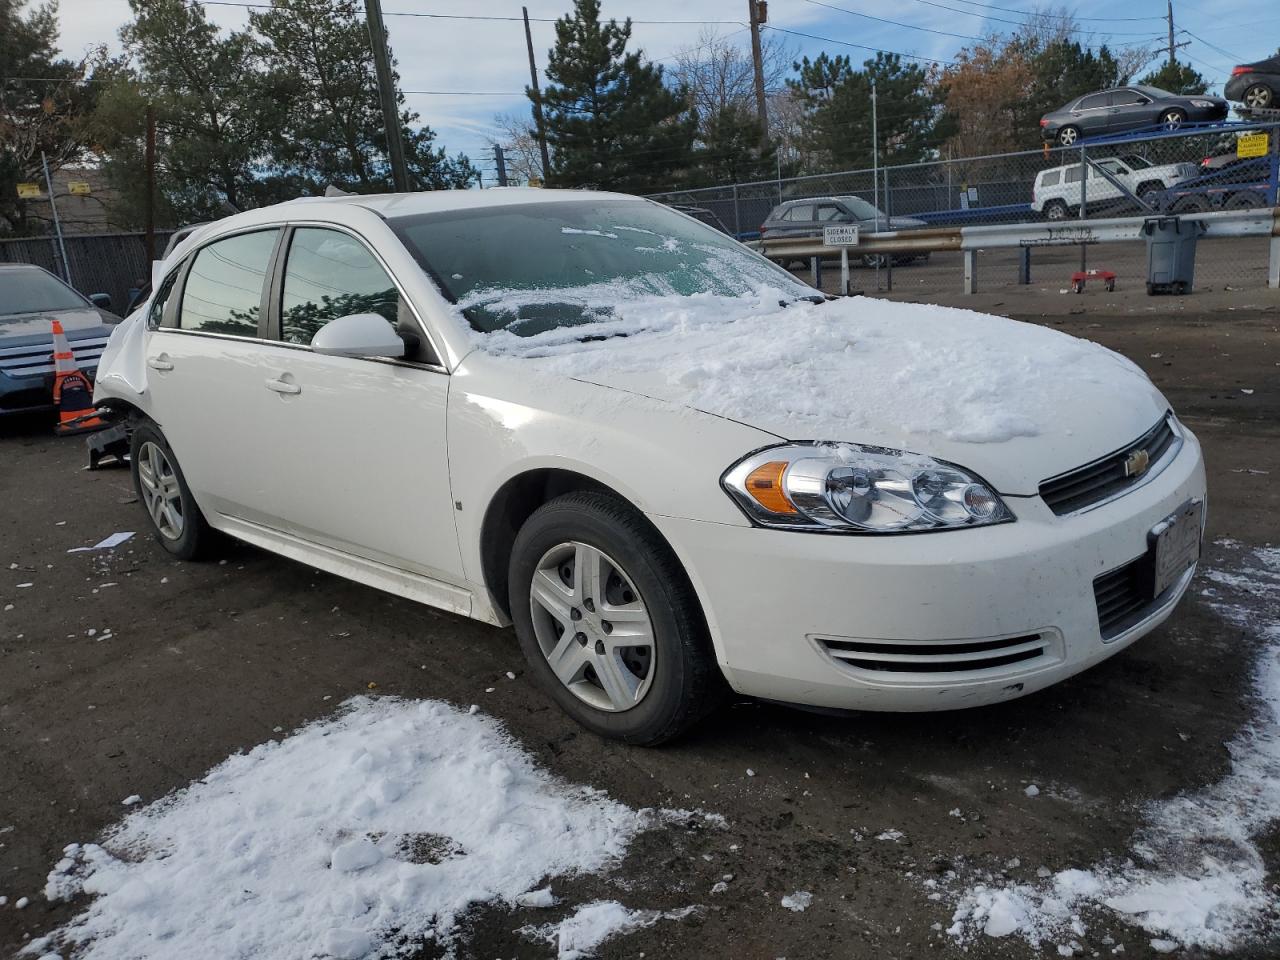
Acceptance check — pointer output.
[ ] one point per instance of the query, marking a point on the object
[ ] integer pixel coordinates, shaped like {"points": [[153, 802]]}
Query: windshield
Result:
{"points": [[540, 266], [35, 291]]}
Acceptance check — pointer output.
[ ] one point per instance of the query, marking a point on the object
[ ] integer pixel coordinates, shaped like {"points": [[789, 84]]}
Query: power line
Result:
{"points": [[859, 46], [1054, 16], [1016, 23], [1225, 53], [896, 23], [467, 16]]}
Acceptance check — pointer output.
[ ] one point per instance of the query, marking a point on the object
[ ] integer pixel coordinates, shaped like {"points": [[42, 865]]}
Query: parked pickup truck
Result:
{"points": [[1057, 192]]}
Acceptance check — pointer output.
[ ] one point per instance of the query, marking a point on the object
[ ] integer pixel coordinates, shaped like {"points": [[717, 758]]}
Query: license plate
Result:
{"points": [[1177, 544]]}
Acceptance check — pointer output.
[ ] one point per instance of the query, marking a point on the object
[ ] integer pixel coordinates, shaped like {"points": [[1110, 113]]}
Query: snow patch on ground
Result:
{"points": [[1196, 877], [592, 924], [825, 370], [361, 834]]}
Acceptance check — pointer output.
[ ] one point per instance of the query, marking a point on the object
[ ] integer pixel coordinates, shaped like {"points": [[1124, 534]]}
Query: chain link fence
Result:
{"points": [[111, 263], [1196, 168]]}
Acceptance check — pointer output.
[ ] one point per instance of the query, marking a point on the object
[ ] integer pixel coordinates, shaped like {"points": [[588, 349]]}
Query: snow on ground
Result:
{"points": [[358, 835], [1196, 877], [825, 369], [579, 934]]}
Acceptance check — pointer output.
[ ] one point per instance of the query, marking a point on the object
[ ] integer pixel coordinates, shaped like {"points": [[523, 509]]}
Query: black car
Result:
{"points": [[1244, 184], [806, 218], [1256, 84], [31, 298], [1134, 107]]}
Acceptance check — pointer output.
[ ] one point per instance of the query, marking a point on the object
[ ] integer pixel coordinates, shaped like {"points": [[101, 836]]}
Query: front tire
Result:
{"points": [[1172, 119], [608, 621], [176, 521], [1067, 136]]}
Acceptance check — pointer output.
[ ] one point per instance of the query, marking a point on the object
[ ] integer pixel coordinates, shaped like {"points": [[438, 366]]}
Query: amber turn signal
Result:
{"points": [[764, 484]]}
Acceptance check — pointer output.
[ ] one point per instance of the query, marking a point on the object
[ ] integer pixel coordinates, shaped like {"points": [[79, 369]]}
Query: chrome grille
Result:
{"points": [[936, 656], [1108, 476], [36, 359]]}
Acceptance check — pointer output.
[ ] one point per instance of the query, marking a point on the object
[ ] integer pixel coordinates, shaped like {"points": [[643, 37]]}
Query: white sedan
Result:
{"points": [[668, 463]]}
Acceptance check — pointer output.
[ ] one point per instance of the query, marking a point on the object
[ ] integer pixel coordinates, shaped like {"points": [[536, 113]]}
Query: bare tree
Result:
{"points": [[718, 72], [519, 143]]}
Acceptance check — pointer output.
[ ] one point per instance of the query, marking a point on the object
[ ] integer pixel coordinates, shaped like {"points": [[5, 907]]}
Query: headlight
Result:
{"points": [[1202, 103], [852, 488]]}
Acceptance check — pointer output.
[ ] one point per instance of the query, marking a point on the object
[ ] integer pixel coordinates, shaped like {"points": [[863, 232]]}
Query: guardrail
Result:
{"points": [[1255, 222]]}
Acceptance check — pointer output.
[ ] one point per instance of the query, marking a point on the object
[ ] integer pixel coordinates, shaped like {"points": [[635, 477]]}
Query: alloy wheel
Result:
{"points": [[1258, 96], [1172, 120], [1067, 136], [161, 490], [592, 626]]}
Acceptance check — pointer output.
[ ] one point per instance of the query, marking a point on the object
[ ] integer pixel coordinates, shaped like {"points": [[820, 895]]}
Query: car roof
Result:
{"points": [[442, 201], [24, 266]]}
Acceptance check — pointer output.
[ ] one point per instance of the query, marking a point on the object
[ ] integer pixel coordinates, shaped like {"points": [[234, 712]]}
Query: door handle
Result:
{"points": [[161, 362], [284, 386]]}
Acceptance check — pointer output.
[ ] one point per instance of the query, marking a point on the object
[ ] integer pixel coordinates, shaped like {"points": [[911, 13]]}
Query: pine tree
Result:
{"points": [[730, 150], [1177, 77], [611, 121]]}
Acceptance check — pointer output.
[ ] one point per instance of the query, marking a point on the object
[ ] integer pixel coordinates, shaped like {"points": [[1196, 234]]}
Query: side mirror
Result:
{"points": [[101, 300], [358, 335]]}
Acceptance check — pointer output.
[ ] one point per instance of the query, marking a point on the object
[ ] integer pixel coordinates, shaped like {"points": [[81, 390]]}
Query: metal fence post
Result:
{"points": [[737, 221], [815, 268], [1084, 201], [57, 224], [971, 271], [1273, 271], [1024, 266], [888, 218]]}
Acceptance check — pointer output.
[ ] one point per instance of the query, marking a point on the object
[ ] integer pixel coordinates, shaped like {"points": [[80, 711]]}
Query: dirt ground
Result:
{"points": [[207, 659]]}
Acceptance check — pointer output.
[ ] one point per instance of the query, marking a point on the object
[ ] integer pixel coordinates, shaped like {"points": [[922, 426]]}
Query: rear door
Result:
{"points": [[206, 365], [798, 220], [1092, 115]]}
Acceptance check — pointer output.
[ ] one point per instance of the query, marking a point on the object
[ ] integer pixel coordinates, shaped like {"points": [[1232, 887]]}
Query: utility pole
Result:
{"points": [[1170, 18], [501, 163], [57, 224], [150, 205], [758, 11], [387, 94], [537, 99]]}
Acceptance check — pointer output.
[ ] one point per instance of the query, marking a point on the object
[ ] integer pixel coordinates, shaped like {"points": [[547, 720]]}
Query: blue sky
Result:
{"points": [[468, 71]]}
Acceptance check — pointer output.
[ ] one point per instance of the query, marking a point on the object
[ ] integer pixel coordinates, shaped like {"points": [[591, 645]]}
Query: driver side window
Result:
{"points": [[329, 274]]}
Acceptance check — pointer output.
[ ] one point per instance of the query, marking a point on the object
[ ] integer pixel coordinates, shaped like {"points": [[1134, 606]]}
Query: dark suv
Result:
{"points": [[806, 218], [1256, 84]]}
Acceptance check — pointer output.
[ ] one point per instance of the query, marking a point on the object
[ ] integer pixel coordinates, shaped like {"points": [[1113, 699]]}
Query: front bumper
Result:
{"points": [[25, 394], [784, 608]]}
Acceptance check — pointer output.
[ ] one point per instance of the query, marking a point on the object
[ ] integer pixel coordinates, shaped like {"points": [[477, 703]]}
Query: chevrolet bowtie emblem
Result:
{"points": [[1136, 463]]}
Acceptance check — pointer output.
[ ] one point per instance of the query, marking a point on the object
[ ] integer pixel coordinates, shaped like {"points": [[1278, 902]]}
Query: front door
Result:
{"points": [[359, 458]]}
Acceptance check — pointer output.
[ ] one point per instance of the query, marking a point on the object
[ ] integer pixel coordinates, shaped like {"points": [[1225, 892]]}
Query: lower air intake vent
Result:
{"points": [[938, 656]]}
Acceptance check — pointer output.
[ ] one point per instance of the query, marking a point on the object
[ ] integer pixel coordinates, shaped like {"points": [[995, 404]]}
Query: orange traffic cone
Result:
{"points": [[72, 390]]}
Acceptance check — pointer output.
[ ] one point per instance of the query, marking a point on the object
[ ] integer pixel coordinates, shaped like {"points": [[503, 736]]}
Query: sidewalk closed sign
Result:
{"points": [[840, 235], [28, 191], [1252, 145]]}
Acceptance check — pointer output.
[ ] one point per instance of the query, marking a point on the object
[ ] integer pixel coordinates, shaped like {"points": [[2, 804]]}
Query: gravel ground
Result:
{"points": [[207, 659]]}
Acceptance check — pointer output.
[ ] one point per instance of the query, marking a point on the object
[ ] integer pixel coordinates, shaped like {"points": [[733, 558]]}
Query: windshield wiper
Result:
{"points": [[815, 298], [594, 337]]}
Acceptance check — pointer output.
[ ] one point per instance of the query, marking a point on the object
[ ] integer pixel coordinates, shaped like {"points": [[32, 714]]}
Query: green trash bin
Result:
{"points": [[1171, 254]]}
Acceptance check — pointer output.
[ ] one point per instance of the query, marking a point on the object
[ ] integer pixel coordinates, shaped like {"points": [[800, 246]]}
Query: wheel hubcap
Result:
{"points": [[161, 492], [1172, 119], [1257, 97], [1067, 136], [592, 626]]}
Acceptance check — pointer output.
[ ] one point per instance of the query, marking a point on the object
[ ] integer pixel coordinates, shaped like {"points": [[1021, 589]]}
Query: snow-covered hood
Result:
{"points": [[1015, 402]]}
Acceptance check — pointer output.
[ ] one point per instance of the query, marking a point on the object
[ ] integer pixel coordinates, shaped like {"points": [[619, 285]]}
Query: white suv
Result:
{"points": [[1057, 192]]}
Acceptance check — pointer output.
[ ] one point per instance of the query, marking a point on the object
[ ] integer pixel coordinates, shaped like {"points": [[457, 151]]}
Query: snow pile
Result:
{"points": [[822, 370], [1199, 879], [592, 924], [798, 902], [378, 826]]}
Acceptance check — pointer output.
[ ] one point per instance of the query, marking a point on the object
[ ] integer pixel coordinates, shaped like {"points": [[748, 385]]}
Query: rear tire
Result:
{"points": [[562, 616], [1243, 200], [176, 521], [1192, 205], [1056, 210], [1259, 96], [1068, 135]]}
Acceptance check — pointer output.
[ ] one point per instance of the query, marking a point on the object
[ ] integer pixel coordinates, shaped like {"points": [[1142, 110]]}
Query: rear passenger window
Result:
{"points": [[1073, 175], [829, 212], [1051, 178], [223, 291], [328, 275]]}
